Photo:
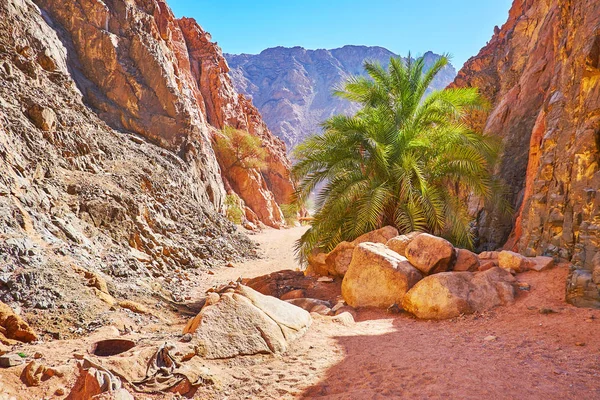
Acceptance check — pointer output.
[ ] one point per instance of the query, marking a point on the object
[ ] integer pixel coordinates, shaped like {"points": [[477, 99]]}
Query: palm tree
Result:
{"points": [[405, 159]]}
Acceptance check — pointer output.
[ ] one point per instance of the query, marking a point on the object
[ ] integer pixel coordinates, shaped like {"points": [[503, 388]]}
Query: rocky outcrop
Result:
{"points": [[261, 190], [148, 73], [292, 86], [106, 158], [541, 72]]}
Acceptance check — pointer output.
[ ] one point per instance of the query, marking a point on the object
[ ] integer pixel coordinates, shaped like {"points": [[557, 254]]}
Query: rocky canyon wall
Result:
{"points": [[541, 72], [146, 72], [109, 187]]}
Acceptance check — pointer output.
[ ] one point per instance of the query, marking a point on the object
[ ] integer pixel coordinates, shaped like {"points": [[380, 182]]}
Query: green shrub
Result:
{"points": [[233, 211]]}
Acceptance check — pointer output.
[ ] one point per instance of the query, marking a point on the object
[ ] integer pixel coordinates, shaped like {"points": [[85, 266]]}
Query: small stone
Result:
{"points": [[344, 318], [212, 298], [59, 392], [78, 356], [187, 338], [230, 265], [346, 309], [490, 338], [580, 344], [327, 279], [523, 286], [294, 294], [10, 360], [547, 311], [210, 272], [38, 355], [512, 261], [589, 320], [320, 309], [32, 374], [135, 307]]}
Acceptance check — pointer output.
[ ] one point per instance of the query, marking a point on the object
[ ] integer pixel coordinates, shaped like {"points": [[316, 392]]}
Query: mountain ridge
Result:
{"points": [[292, 86]]}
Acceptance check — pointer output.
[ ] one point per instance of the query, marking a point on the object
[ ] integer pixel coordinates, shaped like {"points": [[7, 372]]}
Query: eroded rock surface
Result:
{"points": [[541, 72], [106, 157], [246, 322]]}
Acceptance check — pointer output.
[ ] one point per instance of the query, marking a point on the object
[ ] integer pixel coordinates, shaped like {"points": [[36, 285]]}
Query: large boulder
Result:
{"points": [[450, 294], [377, 277], [246, 322], [381, 235], [466, 261], [399, 243], [338, 260], [431, 254]]}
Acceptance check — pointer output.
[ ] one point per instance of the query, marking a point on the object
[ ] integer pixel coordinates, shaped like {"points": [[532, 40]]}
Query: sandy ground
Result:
{"points": [[538, 348]]}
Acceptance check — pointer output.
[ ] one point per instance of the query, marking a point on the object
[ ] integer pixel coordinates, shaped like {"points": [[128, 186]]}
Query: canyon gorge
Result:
{"points": [[114, 227]]}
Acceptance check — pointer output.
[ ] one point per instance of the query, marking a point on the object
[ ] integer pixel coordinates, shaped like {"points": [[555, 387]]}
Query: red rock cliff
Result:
{"points": [[149, 73], [541, 72]]}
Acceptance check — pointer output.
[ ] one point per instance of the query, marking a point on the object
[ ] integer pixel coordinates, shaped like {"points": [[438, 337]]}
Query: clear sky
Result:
{"points": [[458, 27]]}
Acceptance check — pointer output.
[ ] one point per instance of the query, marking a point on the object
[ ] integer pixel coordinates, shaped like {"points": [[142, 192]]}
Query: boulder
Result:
{"points": [[279, 283], [316, 265], [466, 261], [338, 260], [377, 277], [399, 243], [488, 255], [14, 326], [540, 263], [381, 235], [247, 322], [485, 265], [450, 294], [431, 254], [512, 261], [43, 118]]}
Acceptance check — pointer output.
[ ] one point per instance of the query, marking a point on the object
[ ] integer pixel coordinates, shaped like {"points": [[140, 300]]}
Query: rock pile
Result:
{"points": [[423, 273]]}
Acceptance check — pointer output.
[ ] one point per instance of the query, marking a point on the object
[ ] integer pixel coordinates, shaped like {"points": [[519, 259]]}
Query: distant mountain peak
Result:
{"points": [[292, 86]]}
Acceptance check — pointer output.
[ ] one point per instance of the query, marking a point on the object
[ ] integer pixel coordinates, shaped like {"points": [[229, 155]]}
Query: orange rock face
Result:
{"points": [[146, 72], [541, 73]]}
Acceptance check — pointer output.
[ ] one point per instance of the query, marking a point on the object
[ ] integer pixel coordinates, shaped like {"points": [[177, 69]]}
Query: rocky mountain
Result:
{"points": [[107, 114], [541, 72], [292, 87]]}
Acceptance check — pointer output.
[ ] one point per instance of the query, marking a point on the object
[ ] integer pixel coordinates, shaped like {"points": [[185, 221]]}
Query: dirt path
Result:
{"points": [[514, 352], [542, 348]]}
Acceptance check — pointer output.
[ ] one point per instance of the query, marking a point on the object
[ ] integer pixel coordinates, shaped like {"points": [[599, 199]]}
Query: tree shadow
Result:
{"points": [[453, 359]]}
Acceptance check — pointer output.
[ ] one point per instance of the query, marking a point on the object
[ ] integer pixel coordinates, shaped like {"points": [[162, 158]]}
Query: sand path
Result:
{"points": [[532, 355]]}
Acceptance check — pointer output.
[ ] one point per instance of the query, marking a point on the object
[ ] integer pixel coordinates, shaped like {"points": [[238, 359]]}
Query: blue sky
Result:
{"points": [[459, 27]]}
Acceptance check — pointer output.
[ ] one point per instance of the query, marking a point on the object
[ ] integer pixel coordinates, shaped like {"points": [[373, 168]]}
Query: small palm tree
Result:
{"points": [[404, 159]]}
